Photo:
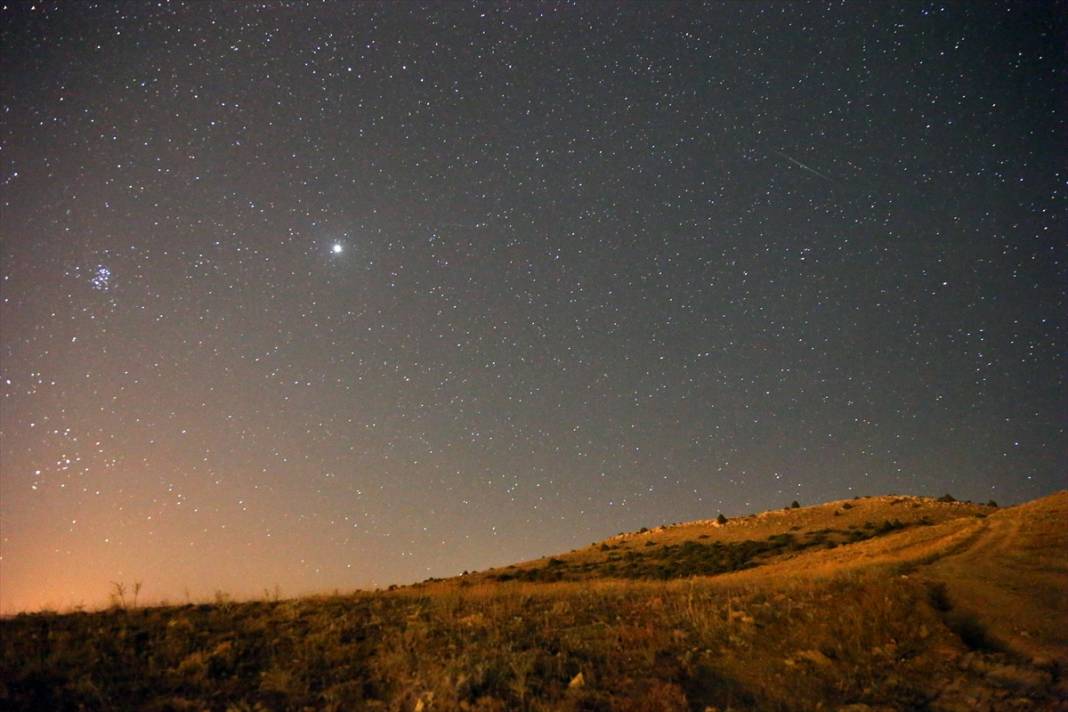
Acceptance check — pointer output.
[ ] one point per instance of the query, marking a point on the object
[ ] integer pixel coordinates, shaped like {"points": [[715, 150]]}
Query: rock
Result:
{"points": [[578, 681], [742, 616], [473, 621], [1019, 679], [815, 657]]}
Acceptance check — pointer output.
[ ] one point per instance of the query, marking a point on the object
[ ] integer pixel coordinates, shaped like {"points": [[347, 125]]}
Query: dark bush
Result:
{"points": [[888, 526], [939, 597]]}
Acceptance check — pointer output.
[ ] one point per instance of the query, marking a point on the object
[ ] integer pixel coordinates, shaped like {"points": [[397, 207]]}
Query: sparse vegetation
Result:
{"points": [[693, 557], [118, 595], [670, 624], [495, 648]]}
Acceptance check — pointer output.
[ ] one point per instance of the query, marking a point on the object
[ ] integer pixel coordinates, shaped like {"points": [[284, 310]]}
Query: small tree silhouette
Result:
{"points": [[795, 505], [721, 519], [118, 595]]}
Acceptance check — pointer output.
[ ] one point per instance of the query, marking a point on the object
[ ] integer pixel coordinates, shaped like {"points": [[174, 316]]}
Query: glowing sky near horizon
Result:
{"points": [[355, 294]]}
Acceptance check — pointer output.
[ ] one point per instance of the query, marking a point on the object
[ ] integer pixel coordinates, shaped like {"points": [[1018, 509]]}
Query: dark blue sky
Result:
{"points": [[356, 294]]}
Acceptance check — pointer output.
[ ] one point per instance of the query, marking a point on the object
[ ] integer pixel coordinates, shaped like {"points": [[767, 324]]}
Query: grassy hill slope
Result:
{"points": [[868, 604]]}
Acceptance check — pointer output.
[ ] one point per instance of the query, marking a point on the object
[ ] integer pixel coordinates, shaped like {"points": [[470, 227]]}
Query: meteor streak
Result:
{"points": [[802, 166]]}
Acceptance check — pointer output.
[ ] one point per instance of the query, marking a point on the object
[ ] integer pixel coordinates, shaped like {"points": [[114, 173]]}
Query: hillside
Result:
{"points": [[707, 547], [878, 603]]}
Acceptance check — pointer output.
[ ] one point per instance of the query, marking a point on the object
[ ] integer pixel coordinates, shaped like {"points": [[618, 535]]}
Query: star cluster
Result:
{"points": [[352, 294]]}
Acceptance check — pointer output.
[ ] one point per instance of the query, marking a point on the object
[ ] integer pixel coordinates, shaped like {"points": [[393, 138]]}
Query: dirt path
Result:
{"points": [[1006, 577], [1009, 571], [996, 536]]}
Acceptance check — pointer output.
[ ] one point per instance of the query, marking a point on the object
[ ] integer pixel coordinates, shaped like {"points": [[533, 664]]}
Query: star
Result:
{"points": [[337, 248]]}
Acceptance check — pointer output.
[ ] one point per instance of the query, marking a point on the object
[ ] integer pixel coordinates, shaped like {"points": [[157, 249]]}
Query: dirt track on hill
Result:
{"points": [[1019, 596], [1008, 570], [996, 536]]}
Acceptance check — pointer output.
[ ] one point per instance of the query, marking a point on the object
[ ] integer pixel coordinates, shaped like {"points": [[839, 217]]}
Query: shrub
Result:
{"points": [[795, 505], [947, 498], [938, 597], [721, 519], [888, 526], [992, 503]]}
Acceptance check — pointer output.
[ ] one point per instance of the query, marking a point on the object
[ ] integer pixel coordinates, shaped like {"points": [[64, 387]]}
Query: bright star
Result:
{"points": [[337, 248]]}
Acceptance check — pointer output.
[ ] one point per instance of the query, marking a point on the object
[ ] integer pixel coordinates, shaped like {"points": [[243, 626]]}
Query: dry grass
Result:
{"points": [[886, 622], [843, 515]]}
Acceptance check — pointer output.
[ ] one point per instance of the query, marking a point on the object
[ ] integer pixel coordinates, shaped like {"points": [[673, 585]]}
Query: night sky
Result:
{"points": [[346, 295]]}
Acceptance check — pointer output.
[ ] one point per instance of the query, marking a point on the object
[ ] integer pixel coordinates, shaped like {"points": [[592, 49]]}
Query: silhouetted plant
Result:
{"points": [[118, 595]]}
